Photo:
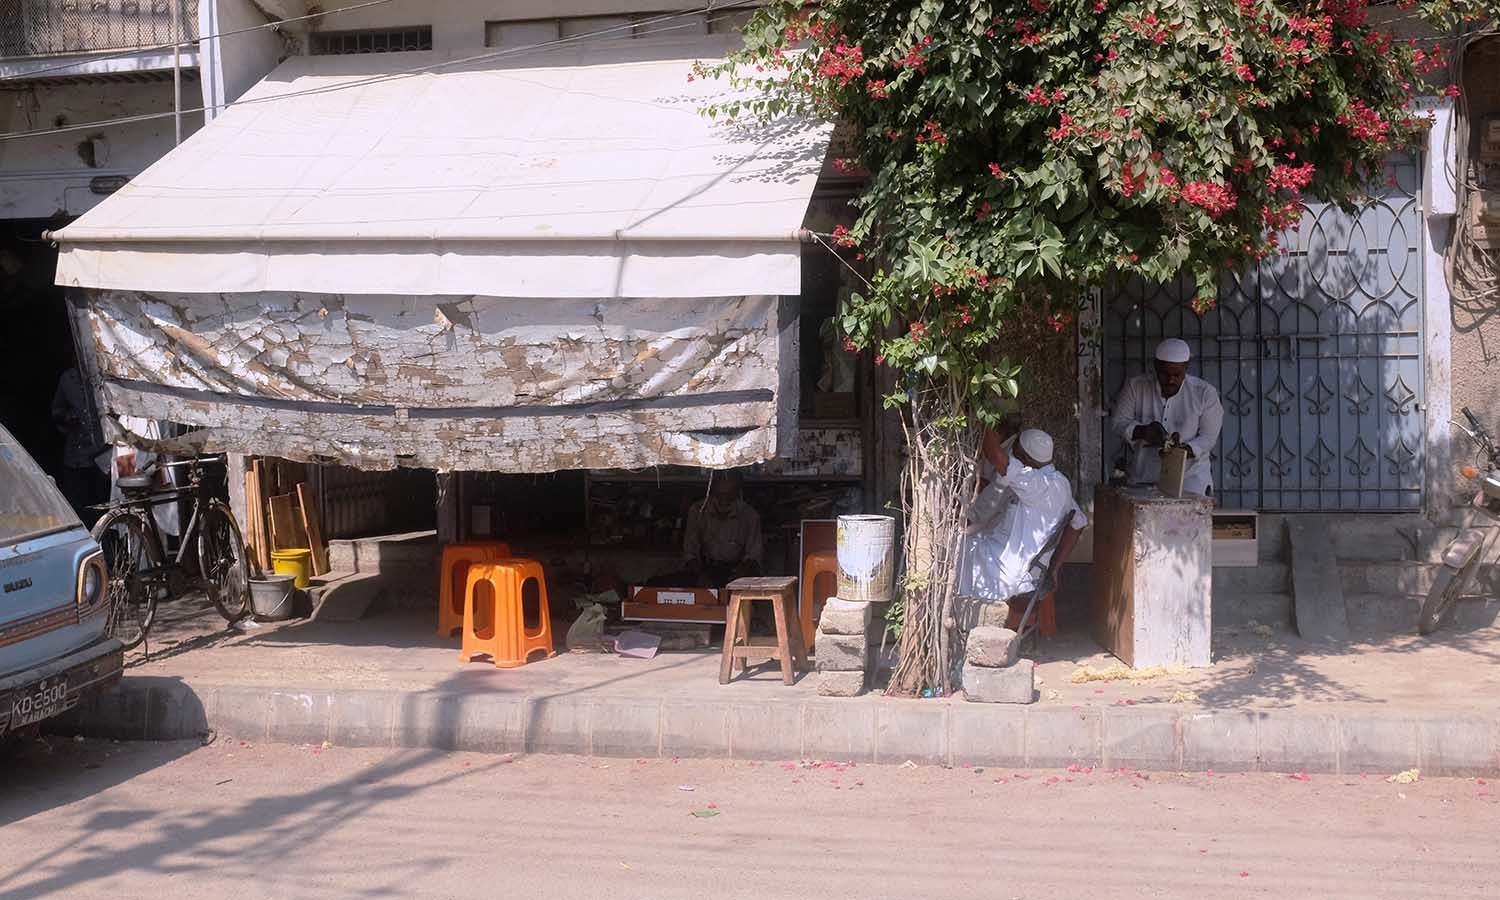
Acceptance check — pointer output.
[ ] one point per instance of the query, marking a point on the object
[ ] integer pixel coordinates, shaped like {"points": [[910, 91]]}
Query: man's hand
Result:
{"points": [[1154, 435]]}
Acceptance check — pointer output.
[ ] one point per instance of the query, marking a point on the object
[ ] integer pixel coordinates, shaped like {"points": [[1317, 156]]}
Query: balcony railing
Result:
{"points": [[59, 27]]}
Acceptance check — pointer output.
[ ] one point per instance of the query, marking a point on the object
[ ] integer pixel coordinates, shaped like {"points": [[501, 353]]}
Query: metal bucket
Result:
{"points": [[273, 598], [867, 558]]}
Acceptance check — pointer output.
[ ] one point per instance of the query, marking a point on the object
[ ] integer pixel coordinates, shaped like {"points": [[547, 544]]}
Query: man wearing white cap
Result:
{"points": [[1024, 502], [1169, 403]]}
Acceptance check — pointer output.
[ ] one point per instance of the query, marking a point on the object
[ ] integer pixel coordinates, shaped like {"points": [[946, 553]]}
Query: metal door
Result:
{"points": [[1317, 355]]}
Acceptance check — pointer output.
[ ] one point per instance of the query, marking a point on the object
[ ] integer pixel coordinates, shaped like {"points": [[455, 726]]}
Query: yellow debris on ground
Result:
{"points": [[1184, 697], [1410, 776], [1117, 672]]}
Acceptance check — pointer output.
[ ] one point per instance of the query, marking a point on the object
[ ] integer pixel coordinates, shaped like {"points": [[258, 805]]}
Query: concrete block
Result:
{"points": [[987, 735], [624, 727], [698, 730], [838, 730], [765, 731], [242, 713], [119, 713], [992, 647], [557, 725], [492, 723], [1298, 742], [992, 615], [840, 684], [845, 617], [427, 721], [361, 719], [842, 653], [1141, 738], [911, 730], [1013, 684], [1222, 741], [174, 712], [299, 717], [1057, 736], [1377, 743], [1458, 746]]}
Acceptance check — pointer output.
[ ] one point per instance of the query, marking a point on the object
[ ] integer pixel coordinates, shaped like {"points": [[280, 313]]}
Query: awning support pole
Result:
{"points": [[177, 69]]}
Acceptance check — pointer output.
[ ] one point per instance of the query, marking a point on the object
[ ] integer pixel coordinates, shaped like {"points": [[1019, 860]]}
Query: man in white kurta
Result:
{"points": [[1023, 504], [1168, 403]]}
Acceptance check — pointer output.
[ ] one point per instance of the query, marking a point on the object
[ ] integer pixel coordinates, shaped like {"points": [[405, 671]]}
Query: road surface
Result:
{"points": [[230, 820]]}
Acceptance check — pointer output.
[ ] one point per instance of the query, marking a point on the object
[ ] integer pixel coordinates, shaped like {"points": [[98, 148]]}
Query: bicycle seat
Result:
{"points": [[136, 482]]}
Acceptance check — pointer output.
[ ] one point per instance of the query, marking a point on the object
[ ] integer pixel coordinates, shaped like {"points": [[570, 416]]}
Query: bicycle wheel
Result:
{"points": [[132, 602], [222, 561]]}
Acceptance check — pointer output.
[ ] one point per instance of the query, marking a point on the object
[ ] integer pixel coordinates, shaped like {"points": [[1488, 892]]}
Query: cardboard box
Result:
{"points": [[674, 604], [1174, 465]]}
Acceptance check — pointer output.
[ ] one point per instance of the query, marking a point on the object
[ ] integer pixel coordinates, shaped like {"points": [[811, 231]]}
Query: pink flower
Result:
{"points": [[842, 237], [1214, 198], [1451, 90], [878, 89], [996, 171]]}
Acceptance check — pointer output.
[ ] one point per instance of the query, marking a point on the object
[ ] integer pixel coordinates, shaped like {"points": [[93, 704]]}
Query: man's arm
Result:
{"points": [[992, 446], [1210, 422], [1126, 422]]}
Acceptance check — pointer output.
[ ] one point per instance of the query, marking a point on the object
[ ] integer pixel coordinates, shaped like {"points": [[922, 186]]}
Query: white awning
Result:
{"points": [[586, 170]]}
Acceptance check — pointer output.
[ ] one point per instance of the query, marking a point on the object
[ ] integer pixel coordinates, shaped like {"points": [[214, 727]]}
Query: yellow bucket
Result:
{"points": [[297, 563]]}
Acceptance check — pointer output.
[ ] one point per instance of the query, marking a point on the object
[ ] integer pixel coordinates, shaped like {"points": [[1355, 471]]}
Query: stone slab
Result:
{"points": [[1058, 736], [361, 719], [1457, 746], [1298, 742], [1222, 741], [1141, 738], [845, 617], [625, 727], [1377, 744], [918, 733], [840, 684], [1317, 588], [838, 730], [842, 653], [992, 647], [768, 731], [985, 734], [1013, 684]]}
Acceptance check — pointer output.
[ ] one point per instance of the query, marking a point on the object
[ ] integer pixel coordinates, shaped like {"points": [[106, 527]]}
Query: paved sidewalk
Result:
{"points": [[1384, 703]]}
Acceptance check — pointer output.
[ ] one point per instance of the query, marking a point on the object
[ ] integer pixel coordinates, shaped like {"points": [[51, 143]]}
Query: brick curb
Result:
{"points": [[867, 729]]}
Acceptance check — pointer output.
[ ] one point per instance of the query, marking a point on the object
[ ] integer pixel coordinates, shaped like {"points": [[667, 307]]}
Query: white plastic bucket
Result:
{"points": [[272, 598], [867, 558]]}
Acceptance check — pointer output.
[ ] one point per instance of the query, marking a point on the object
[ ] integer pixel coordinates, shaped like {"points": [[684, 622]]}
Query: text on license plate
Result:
{"points": [[43, 701]]}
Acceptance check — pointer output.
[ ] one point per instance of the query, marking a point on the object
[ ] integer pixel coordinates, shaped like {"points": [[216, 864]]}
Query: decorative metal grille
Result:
{"points": [[55, 27], [380, 40], [1317, 355]]}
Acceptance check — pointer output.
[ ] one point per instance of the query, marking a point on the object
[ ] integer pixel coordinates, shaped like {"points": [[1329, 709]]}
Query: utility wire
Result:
{"points": [[390, 76], [133, 51]]}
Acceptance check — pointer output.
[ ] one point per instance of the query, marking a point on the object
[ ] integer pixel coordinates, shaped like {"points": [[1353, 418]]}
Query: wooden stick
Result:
{"points": [[255, 509], [314, 529]]}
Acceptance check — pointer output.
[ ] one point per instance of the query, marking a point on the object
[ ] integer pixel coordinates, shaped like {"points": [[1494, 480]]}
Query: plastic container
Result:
{"points": [[297, 563], [273, 598], [867, 558]]}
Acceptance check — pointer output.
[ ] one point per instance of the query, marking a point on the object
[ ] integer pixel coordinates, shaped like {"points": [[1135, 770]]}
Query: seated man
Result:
{"points": [[1022, 505], [722, 540]]}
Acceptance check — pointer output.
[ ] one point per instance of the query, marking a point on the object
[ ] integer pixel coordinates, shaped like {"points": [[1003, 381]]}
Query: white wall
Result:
{"points": [[45, 176], [231, 65], [459, 24]]}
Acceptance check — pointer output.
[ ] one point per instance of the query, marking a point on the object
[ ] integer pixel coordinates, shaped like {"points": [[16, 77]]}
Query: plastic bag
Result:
{"points": [[588, 628]]}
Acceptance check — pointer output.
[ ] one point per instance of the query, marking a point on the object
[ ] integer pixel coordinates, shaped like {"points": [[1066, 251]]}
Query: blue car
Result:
{"points": [[53, 593]]}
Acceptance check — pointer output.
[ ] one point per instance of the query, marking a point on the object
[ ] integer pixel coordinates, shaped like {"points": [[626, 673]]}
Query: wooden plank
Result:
{"points": [[312, 527], [1317, 591], [255, 508], [286, 524]]}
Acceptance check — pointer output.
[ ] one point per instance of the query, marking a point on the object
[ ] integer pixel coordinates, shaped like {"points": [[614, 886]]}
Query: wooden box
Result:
{"points": [[674, 604], [1152, 577], [1236, 537]]}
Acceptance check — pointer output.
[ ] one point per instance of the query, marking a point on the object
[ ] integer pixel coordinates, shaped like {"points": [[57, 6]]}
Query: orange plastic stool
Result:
{"points": [[819, 563], [1046, 612], [453, 579], [496, 624]]}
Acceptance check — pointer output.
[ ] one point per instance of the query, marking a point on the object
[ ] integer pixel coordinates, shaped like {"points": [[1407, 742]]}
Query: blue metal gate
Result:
{"points": [[1317, 355]]}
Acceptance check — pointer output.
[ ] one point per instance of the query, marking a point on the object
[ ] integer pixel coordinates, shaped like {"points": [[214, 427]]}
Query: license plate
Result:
{"points": [[43, 700]]}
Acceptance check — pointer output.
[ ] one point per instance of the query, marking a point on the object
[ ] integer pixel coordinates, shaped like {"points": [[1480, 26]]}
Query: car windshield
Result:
{"points": [[30, 504]]}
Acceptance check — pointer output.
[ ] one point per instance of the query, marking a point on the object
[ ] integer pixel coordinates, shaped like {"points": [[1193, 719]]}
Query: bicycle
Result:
{"points": [[140, 570], [1467, 552]]}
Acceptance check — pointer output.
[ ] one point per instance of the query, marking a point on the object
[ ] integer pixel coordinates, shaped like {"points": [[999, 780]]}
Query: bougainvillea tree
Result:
{"points": [[1019, 151]]}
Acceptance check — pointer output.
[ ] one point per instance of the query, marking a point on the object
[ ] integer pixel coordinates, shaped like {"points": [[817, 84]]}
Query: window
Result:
{"points": [[531, 32], [374, 40]]}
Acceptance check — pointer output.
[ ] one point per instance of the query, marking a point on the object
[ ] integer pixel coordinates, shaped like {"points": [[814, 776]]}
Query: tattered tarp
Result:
{"points": [[474, 383], [586, 170]]}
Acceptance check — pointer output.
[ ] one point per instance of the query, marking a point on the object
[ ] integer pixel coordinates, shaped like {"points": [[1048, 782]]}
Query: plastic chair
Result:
{"points": [[821, 566], [495, 613], [453, 577], [1043, 600]]}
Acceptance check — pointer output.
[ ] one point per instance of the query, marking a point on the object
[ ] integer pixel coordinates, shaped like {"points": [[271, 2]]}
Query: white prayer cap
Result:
{"points": [[1037, 444], [1173, 350]]}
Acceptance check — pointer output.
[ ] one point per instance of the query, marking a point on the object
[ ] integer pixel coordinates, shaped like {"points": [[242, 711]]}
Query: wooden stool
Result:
{"points": [[454, 579], [820, 565], [790, 648]]}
